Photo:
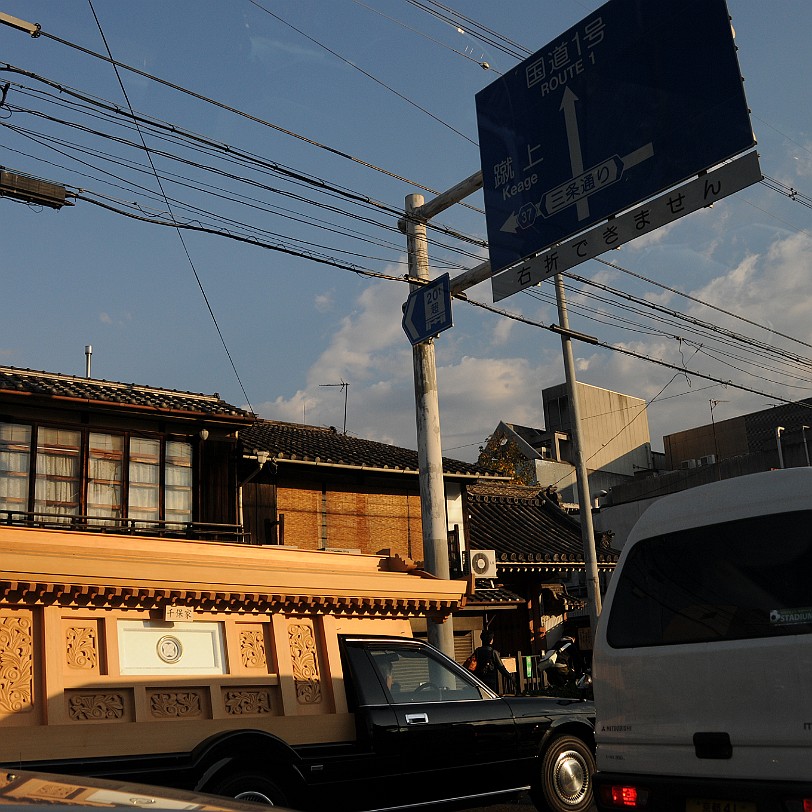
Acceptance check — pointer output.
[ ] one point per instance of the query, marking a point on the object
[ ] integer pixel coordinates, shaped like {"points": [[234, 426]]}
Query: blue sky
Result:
{"points": [[383, 85]]}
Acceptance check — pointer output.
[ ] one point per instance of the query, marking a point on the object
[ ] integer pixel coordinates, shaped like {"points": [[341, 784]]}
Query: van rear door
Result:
{"points": [[703, 662]]}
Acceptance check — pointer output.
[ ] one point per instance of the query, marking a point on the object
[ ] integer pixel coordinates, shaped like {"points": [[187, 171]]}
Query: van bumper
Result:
{"points": [[615, 792]]}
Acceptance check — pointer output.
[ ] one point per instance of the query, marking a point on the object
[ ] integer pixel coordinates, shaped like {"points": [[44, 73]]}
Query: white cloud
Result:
{"points": [[323, 302], [770, 289], [478, 389], [265, 49], [115, 321], [370, 352], [502, 331], [803, 160]]}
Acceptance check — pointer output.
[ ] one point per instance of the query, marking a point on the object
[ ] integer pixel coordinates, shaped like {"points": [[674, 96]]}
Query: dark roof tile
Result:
{"points": [[495, 595], [295, 441], [54, 386], [527, 532]]}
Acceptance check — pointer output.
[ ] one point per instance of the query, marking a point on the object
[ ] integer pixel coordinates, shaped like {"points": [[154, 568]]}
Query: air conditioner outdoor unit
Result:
{"points": [[709, 460], [483, 563], [688, 464]]}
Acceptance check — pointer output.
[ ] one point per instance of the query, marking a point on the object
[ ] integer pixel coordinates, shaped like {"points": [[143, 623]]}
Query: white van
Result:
{"points": [[703, 653]]}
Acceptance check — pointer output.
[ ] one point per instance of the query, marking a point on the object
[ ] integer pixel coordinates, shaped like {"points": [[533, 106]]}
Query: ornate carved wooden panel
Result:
{"points": [[303, 654], [252, 648], [101, 706], [182, 704], [82, 647], [16, 662], [247, 701]]}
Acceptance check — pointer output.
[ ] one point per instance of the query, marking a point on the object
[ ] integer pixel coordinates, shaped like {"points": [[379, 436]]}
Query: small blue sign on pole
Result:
{"points": [[636, 98], [428, 310]]}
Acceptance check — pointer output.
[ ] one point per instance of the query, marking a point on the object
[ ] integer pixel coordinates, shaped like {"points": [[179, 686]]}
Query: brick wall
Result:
{"points": [[301, 508], [368, 519]]}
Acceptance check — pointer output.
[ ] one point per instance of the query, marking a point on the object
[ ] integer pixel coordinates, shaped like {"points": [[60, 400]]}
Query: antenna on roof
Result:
{"points": [[346, 387]]}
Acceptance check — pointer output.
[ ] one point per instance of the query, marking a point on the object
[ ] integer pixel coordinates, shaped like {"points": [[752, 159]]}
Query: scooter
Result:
{"points": [[564, 665]]}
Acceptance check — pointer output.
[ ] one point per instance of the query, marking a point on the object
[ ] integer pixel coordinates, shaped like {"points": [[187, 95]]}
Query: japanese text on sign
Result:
{"points": [[565, 59], [174, 613], [697, 194], [434, 305]]}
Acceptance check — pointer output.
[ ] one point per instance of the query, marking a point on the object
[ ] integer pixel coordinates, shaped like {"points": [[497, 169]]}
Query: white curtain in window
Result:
{"points": [[178, 483], [104, 475], [144, 479], [57, 489], [15, 460]]}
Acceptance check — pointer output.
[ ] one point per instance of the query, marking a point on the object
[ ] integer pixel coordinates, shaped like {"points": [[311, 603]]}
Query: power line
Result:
{"points": [[626, 351], [701, 325], [472, 27], [480, 61], [109, 60], [241, 113], [309, 254], [166, 199], [678, 321], [231, 153], [513, 316], [51, 142], [787, 190], [364, 72], [320, 184], [698, 301]]}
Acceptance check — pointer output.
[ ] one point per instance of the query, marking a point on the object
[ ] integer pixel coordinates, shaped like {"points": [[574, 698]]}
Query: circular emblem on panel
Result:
{"points": [[169, 649]]}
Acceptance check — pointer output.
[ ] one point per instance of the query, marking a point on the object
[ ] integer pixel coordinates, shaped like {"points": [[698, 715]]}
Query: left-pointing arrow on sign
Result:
{"points": [[428, 310]]}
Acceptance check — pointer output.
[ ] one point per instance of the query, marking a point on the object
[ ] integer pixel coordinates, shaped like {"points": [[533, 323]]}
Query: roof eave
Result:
{"points": [[368, 468]]}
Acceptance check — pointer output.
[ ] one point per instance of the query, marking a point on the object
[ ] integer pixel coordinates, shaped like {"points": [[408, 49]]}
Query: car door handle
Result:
{"points": [[417, 718]]}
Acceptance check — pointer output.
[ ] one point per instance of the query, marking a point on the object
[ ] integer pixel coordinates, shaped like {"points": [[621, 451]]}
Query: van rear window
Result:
{"points": [[732, 581]]}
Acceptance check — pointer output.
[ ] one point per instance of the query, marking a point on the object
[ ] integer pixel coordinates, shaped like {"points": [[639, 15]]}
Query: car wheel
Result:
{"points": [[567, 766], [250, 786]]}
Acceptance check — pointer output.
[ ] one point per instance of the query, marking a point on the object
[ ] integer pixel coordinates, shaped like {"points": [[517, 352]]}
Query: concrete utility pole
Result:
{"points": [[593, 590], [427, 407], [429, 447], [432, 490]]}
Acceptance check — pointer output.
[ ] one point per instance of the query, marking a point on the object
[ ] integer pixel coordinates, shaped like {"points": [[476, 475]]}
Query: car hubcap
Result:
{"points": [[570, 777]]}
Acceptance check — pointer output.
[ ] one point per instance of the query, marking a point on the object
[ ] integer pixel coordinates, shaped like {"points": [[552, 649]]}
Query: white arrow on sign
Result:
{"points": [[427, 311], [562, 196], [408, 318], [574, 142]]}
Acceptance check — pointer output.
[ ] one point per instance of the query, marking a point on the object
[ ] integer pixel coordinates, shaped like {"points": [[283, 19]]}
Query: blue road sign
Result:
{"points": [[634, 99], [428, 310]]}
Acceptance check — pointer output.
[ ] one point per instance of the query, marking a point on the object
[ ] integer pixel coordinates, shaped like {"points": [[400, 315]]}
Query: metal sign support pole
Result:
{"points": [[587, 533], [429, 447]]}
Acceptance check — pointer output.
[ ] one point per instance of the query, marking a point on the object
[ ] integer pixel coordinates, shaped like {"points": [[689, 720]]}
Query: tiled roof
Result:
{"points": [[506, 489], [296, 442], [67, 389], [491, 595], [528, 533]]}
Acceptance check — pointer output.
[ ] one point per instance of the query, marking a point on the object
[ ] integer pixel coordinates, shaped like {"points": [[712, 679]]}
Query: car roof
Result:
{"points": [[760, 494]]}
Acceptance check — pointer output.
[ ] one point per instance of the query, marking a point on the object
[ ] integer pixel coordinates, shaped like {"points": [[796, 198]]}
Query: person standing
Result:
{"points": [[489, 664]]}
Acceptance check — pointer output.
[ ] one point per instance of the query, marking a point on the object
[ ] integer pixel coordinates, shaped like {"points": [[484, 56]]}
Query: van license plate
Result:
{"points": [[718, 805]]}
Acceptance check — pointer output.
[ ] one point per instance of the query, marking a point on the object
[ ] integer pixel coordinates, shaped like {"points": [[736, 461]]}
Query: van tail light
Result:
{"points": [[807, 804], [627, 796]]}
